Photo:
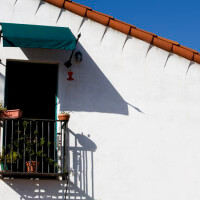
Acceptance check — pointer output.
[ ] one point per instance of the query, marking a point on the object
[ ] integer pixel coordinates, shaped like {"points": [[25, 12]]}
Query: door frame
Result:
{"points": [[56, 94], [34, 61]]}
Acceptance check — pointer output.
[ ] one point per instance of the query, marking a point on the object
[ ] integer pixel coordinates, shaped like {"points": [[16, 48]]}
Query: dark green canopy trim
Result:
{"points": [[35, 36]]}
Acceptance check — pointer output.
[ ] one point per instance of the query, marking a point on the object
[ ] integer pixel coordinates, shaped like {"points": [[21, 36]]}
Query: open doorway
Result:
{"points": [[32, 88]]}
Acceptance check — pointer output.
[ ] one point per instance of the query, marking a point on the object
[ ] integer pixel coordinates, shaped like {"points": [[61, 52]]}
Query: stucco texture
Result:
{"points": [[136, 103]]}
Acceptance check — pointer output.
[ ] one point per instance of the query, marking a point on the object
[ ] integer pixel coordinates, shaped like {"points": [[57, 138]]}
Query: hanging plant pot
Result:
{"points": [[64, 116], [17, 113], [31, 166], [70, 73]]}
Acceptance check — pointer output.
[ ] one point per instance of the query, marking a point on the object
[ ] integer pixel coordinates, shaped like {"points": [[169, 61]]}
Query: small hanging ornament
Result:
{"points": [[70, 73]]}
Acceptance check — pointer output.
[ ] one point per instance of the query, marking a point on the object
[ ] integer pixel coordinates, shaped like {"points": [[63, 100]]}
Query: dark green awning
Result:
{"points": [[34, 36]]}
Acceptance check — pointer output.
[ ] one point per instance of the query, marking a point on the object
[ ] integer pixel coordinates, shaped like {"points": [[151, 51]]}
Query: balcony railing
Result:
{"points": [[34, 147]]}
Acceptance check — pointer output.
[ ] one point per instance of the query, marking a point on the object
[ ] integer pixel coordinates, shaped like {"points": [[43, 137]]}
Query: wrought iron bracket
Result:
{"points": [[68, 64]]}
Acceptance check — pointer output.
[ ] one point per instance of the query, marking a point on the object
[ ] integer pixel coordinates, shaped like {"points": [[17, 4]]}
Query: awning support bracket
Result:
{"points": [[68, 64]]}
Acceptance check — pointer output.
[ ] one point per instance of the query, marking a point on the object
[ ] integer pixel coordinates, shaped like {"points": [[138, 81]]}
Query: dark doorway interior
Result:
{"points": [[31, 87]]}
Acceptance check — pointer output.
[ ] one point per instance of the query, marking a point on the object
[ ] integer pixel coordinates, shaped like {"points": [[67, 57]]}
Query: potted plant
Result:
{"points": [[64, 116], [30, 144], [4, 113], [11, 157], [31, 165], [2, 110], [2, 159], [30, 151]]}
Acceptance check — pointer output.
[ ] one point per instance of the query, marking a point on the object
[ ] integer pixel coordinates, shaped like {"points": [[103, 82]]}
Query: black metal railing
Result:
{"points": [[34, 147]]}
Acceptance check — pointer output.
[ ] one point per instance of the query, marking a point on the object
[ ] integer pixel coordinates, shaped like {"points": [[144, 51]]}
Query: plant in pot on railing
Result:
{"points": [[30, 143], [2, 110], [4, 113], [32, 154], [2, 160], [64, 116], [34, 150], [31, 147], [10, 158]]}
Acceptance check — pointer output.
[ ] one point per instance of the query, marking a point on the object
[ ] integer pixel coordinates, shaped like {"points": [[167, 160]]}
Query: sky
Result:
{"points": [[172, 19]]}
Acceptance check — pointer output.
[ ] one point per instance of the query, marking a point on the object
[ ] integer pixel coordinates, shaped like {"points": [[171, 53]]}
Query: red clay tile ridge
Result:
{"points": [[163, 43]]}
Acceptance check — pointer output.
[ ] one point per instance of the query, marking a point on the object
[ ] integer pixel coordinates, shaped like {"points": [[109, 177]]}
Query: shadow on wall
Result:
{"points": [[91, 91], [81, 166], [81, 183]]}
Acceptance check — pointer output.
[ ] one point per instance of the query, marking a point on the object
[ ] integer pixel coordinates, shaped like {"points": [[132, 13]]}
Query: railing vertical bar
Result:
{"points": [[42, 147], [84, 172], [65, 148], [5, 150], [80, 169], [18, 132], [48, 144], [86, 168], [36, 141], [24, 157], [74, 163], [30, 147], [54, 147], [11, 151], [61, 147], [92, 173]]}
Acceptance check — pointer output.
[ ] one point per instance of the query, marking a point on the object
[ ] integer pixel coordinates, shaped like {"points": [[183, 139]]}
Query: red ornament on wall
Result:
{"points": [[70, 73]]}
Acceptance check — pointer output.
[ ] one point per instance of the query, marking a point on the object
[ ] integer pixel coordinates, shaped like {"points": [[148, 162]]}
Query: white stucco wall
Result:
{"points": [[139, 105]]}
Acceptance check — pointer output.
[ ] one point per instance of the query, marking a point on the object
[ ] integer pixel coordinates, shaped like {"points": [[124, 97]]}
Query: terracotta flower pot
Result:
{"points": [[31, 166], [64, 117], [17, 113]]}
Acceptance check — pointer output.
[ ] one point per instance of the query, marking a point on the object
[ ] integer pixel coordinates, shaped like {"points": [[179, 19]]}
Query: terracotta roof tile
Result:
{"points": [[77, 9], [182, 52], [125, 23], [147, 32], [163, 44], [189, 49], [58, 3], [82, 5], [111, 17], [119, 26], [98, 17], [142, 35], [167, 40], [125, 28], [197, 58]]}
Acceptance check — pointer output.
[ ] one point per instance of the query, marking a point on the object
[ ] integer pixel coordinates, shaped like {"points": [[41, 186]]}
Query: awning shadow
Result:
{"points": [[91, 91]]}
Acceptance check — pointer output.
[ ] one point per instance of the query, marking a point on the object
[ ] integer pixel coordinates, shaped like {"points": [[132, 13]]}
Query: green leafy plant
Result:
{"points": [[2, 156], [11, 157], [35, 146], [2, 108], [65, 112], [25, 125]]}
